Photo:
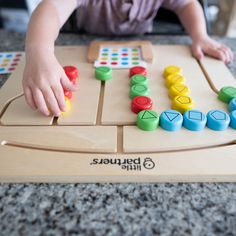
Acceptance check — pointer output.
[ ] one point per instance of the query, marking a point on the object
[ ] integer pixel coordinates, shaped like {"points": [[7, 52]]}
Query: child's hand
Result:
{"points": [[192, 17], [210, 47], [43, 83]]}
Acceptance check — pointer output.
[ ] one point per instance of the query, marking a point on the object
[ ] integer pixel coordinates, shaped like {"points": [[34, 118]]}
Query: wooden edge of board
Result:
{"points": [[172, 167], [146, 48]]}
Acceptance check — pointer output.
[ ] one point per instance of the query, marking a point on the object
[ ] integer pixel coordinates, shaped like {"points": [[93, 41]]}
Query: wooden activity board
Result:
{"points": [[97, 139]]}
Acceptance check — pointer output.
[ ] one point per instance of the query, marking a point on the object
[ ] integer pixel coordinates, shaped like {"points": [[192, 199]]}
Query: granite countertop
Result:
{"points": [[116, 209]]}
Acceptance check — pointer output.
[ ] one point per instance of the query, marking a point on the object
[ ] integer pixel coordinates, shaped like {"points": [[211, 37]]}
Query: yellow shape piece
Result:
{"points": [[174, 79], [6, 60], [169, 70], [182, 103], [179, 89], [68, 106]]}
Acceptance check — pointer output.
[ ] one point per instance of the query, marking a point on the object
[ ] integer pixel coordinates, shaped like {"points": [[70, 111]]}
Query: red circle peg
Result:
{"points": [[68, 94], [137, 70], [140, 103], [71, 72]]}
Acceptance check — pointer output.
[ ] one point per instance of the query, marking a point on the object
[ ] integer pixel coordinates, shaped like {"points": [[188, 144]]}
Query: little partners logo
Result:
{"points": [[128, 164]]}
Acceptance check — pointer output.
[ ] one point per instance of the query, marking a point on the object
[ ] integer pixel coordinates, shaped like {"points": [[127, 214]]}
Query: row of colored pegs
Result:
{"points": [[141, 102], [182, 103], [178, 91], [72, 74], [139, 90], [138, 82], [194, 120]]}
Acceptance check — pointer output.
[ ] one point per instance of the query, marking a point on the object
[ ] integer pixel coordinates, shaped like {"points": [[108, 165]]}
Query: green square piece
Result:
{"points": [[138, 90], [227, 93], [103, 73], [138, 79]]}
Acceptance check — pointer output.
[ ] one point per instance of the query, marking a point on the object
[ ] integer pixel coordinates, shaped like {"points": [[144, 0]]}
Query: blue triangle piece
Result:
{"points": [[171, 115]]}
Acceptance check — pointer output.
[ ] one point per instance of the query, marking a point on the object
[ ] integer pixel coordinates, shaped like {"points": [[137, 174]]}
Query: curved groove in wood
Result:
{"points": [[208, 79], [72, 150], [9, 102]]}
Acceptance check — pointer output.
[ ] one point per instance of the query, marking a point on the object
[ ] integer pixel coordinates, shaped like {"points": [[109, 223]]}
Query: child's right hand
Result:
{"points": [[43, 82]]}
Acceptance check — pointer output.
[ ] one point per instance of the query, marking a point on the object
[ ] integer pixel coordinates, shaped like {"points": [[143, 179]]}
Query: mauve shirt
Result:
{"points": [[121, 17]]}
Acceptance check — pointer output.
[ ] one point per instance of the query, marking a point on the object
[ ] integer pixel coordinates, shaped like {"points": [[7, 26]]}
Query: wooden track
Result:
{"points": [[97, 140]]}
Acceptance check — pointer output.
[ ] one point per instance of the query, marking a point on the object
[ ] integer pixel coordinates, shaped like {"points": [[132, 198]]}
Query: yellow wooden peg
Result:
{"points": [[169, 70], [174, 79], [179, 89], [182, 103], [68, 106]]}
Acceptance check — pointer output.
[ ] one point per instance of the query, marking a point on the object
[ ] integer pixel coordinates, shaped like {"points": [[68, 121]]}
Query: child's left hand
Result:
{"points": [[207, 46]]}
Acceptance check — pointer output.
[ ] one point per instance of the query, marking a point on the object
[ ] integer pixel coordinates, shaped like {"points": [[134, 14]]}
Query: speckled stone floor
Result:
{"points": [[116, 209]]}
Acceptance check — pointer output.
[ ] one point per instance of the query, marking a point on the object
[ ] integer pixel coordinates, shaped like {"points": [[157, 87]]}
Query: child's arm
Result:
{"points": [[191, 16], [44, 78]]}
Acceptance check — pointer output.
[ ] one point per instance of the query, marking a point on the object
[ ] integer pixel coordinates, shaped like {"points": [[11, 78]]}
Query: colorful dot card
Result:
{"points": [[9, 61], [120, 57]]}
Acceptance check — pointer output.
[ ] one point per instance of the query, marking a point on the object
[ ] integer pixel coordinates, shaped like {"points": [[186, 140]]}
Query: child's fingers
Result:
{"points": [[231, 54], [223, 51], [59, 94], [216, 53], [29, 98], [228, 53], [40, 102], [67, 84], [51, 101], [197, 52]]}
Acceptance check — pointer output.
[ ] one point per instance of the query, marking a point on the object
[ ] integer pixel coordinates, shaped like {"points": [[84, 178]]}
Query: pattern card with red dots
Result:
{"points": [[9, 61], [120, 57]]}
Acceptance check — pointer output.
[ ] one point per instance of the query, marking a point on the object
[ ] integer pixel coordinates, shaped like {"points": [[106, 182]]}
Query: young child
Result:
{"points": [[44, 78]]}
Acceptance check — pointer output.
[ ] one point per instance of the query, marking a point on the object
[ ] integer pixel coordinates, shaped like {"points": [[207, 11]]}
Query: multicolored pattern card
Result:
{"points": [[9, 61], [120, 57]]}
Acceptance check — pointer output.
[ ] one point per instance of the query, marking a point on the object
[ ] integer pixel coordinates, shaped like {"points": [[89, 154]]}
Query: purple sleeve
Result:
{"points": [[174, 5], [80, 2]]}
